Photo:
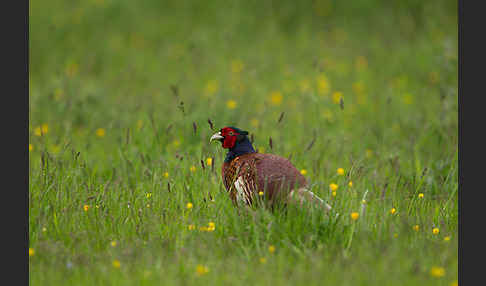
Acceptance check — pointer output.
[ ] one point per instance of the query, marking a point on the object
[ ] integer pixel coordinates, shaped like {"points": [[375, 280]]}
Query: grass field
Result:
{"points": [[120, 97]]}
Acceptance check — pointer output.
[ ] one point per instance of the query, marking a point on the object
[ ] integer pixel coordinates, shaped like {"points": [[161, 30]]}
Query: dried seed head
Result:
{"points": [[281, 116], [210, 124]]}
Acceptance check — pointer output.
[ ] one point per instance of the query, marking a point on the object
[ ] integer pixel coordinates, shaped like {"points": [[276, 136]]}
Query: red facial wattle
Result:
{"points": [[229, 137]]}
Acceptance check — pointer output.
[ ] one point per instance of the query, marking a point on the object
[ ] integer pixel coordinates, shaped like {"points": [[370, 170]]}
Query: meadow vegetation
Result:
{"points": [[125, 189]]}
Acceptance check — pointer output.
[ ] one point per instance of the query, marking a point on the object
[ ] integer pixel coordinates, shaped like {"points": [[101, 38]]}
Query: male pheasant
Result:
{"points": [[246, 173]]}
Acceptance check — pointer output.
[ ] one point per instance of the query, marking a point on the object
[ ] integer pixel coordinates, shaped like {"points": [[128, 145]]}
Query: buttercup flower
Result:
{"points": [[231, 104], [276, 98], [271, 249], [201, 269], [436, 271], [100, 132]]}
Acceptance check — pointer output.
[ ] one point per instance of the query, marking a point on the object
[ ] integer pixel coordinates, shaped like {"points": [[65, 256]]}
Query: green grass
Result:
{"points": [[147, 71]]}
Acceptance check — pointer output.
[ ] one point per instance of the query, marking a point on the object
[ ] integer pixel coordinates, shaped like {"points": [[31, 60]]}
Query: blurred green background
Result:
{"points": [[114, 58]]}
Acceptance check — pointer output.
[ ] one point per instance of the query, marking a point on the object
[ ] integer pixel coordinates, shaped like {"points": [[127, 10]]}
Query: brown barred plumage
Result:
{"points": [[272, 174], [245, 173]]}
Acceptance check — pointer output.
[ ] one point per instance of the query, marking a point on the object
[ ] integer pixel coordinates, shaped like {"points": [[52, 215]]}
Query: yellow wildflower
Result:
{"points": [[113, 243], [271, 249], [100, 132], [231, 104], [263, 260], [416, 227], [363, 201], [261, 150], [201, 269], [303, 171], [189, 206], [254, 122], [333, 187], [211, 226], [192, 168], [191, 227], [447, 238], [211, 87], [31, 252], [139, 124], [86, 208], [260, 193], [436, 271], [31, 147], [336, 96], [395, 235], [44, 229], [148, 195], [116, 263], [350, 184], [237, 66], [393, 211], [44, 128], [340, 171], [354, 215], [435, 230], [209, 161], [276, 98], [334, 193], [38, 131], [148, 205], [420, 195], [166, 174], [323, 85]]}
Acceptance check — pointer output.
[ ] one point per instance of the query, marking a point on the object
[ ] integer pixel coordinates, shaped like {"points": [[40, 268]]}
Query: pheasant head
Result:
{"points": [[235, 140]]}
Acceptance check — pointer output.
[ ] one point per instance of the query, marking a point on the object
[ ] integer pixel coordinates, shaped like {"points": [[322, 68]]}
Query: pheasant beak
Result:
{"points": [[216, 136]]}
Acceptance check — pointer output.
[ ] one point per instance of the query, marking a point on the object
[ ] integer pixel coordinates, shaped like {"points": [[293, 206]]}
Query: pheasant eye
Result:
{"points": [[230, 133]]}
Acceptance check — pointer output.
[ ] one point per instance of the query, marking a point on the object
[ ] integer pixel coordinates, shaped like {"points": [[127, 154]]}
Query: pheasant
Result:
{"points": [[246, 173]]}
